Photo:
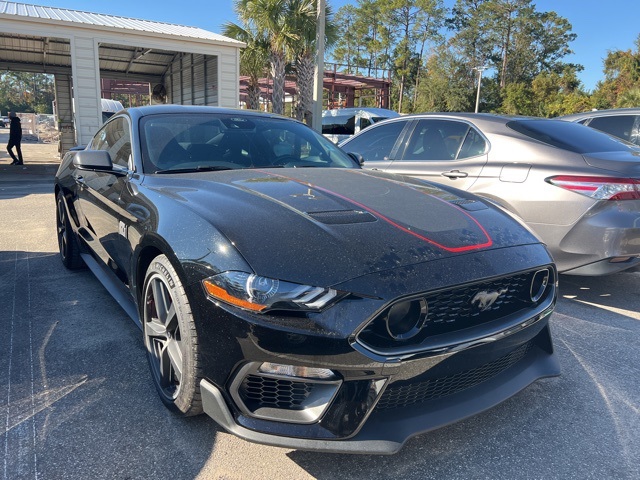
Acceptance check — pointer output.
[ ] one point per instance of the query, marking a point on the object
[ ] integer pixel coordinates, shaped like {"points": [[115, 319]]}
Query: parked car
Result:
{"points": [[577, 188], [623, 123], [109, 108], [339, 124], [297, 299], [4, 122]]}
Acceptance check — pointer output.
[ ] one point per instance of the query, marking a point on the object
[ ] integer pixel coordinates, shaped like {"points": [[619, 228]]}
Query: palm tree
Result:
{"points": [[629, 98], [253, 59], [269, 19]]}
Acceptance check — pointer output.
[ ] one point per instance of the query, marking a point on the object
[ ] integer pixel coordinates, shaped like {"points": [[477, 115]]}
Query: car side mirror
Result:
{"points": [[96, 160], [359, 159]]}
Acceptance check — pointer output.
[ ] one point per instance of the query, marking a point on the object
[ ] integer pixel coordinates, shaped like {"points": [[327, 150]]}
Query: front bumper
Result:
{"points": [[377, 396], [403, 408]]}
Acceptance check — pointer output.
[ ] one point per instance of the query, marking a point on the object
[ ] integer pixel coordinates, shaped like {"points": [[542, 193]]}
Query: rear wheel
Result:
{"points": [[171, 339], [67, 241]]}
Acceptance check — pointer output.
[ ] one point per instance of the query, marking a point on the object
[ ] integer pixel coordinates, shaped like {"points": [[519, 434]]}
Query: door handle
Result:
{"points": [[453, 174]]}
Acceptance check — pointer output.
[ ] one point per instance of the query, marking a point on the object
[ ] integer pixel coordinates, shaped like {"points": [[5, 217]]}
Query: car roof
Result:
{"points": [[602, 113], [485, 119], [194, 109], [355, 110], [476, 116]]}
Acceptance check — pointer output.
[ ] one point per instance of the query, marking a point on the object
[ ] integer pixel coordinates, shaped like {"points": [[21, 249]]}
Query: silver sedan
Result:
{"points": [[578, 189]]}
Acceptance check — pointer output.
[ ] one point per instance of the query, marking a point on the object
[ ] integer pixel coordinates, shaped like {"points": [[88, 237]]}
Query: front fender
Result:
{"points": [[195, 247]]}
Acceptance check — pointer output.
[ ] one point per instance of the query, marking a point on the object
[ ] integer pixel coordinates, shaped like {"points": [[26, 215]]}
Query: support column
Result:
{"points": [[64, 113]]}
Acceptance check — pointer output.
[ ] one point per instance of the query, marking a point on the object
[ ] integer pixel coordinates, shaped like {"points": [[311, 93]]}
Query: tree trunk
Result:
{"points": [[277, 72], [401, 95], [415, 92], [306, 67], [505, 50], [253, 96]]}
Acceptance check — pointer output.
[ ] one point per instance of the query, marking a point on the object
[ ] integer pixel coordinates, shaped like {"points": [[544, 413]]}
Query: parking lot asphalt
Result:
{"points": [[77, 401]]}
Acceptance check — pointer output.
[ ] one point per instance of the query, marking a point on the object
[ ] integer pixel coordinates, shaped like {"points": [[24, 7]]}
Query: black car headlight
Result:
{"points": [[261, 294]]}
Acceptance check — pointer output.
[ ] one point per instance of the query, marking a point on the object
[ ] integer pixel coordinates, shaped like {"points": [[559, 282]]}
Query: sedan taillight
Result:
{"points": [[599, 188]]}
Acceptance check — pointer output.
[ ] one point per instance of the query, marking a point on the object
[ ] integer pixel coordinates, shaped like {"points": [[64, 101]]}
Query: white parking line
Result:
{"points": [[13, 316], [20, 438], [33, 407]]}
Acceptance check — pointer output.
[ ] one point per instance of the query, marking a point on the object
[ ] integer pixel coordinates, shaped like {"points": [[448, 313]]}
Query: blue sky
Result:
{"points": [[600, 26]]}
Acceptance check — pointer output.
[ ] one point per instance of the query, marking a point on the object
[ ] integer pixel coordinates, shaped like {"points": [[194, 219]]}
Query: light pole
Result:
{"points": [[480, 70], [316, 122]]}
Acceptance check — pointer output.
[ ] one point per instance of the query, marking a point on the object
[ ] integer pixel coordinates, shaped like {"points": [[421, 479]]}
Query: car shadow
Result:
{"points": [[76, 389]]}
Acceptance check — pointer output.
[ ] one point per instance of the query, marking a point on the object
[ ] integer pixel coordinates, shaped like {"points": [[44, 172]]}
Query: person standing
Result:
{"points": [[15, 138]]}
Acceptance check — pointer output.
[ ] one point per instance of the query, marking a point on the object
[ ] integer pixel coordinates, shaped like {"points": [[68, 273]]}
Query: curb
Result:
{"points": [[27, 171]]}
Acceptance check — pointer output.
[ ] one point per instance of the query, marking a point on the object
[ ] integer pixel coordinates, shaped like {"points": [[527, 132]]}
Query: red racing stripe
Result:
{"points": [[467, 248]]}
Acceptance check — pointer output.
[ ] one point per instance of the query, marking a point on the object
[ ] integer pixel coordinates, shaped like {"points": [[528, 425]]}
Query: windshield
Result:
{"points": [[569, 136], [173, 143]]}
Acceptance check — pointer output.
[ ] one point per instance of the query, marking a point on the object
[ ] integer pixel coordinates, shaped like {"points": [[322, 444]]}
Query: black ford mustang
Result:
{"points": [[296, 299]]}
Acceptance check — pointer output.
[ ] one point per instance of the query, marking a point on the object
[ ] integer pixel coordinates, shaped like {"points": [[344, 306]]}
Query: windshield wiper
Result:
{"points": [[200, 168]]}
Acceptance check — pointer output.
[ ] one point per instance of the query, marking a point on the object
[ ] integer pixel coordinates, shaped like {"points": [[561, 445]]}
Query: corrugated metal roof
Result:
{"points": [[103, 20]]}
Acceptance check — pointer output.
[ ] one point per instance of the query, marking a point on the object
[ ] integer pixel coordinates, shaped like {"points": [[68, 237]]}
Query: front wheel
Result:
{"points": [[67, 241], [171, 339]]}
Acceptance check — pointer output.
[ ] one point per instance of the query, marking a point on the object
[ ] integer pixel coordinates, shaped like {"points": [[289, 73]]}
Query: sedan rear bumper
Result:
{"points": [[604, 241]]}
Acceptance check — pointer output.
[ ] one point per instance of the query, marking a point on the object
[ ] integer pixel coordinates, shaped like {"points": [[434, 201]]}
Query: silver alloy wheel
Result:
{"points": [[67, 241], [162, 337], [61, 224]]}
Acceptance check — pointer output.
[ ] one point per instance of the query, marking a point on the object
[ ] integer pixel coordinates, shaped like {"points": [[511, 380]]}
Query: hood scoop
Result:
{"points": [[342, 217], [469, 204]]}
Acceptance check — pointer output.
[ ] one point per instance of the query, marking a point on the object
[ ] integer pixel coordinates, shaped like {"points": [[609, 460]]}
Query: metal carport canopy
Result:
{"points": [[195, 66]]}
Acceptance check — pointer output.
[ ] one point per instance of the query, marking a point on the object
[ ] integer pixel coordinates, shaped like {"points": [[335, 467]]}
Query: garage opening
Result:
{"points": [[83, 50]]}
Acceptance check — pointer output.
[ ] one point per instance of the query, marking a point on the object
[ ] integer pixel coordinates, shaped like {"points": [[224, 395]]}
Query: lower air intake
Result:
{"points": [[402, 394]]}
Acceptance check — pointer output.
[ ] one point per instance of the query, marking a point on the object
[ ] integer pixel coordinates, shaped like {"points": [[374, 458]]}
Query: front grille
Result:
{"points": [[258, 391], [403, 394], [459, 308], [454, 309]]}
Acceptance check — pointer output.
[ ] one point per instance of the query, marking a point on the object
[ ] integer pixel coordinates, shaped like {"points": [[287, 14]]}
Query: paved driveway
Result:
{"points": [[77, 401]]}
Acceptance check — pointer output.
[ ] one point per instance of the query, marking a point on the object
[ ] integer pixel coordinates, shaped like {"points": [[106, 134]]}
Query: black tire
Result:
{"points": [[67, 241], [171, 339]]}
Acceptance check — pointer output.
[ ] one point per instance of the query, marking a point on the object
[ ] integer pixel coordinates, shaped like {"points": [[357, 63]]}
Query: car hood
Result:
{"points": [[330, 225]]}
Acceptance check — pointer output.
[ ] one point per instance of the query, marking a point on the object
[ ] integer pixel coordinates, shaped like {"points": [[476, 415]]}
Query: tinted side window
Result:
{"points": [[364, 123], [474, 145], [114, 138], [118, 142], [436, 140], [620, 126], [376, 143], [339, 125], [98, 140]]}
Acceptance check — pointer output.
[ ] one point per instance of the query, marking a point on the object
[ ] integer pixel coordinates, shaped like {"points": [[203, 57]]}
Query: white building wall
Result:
{"points": [[64, 110], [229, 80], [86, 87]]}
